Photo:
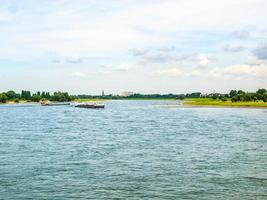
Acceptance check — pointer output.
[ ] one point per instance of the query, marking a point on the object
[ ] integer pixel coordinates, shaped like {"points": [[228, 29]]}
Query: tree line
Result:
{"points": [[259, 95], [233, 95], [35, 97]]}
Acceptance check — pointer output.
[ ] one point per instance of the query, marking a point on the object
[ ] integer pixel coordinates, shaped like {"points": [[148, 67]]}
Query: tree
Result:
{"points": [[3, 98], [25, 94], [248, 97], [234, 98], [261, 91], [232, 93], [241, 92], [11, 95], [61, 97], [215, 96], [36, 98], [264, 97]]}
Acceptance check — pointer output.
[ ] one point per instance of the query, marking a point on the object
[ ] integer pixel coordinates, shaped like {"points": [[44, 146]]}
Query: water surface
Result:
{"points": [[132, 150]]}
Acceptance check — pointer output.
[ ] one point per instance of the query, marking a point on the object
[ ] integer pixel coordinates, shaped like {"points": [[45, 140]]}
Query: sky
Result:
{"points": [[144, 46]]}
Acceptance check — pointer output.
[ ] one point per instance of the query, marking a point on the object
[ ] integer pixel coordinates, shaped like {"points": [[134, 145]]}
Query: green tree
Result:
{"points": [[264, 97], [240, 92], [261, 91], [25, 94], [215, 96], [3, 98], [36, 98], [11, 95], [232, 93]]}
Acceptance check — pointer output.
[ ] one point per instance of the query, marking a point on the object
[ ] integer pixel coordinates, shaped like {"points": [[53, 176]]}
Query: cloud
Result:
{"points": [[95, 27], [152, 34], [235, 71], [163, 55], [124, 67], [257, 70], [138, 52], [78, 74], [203, 60], [194, 72], [240, 71], [6, 15], [242, 34], [167, 49], [233, 48], [74, 60], [157, 58], [56, 60], [261, 52], [171, 72]]}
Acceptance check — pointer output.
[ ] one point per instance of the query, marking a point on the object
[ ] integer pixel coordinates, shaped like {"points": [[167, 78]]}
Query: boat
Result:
{"points": [[48, 103], [90, 105]]}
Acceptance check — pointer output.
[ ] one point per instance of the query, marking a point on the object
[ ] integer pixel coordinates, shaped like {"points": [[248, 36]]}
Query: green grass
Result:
{"points": [[217, 102]]}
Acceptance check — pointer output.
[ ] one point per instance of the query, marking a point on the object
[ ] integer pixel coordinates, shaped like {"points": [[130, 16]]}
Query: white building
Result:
{"points": [[126, 93]]}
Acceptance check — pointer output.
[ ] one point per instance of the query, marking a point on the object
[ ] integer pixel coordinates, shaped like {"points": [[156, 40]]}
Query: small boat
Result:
{"points": [[48, 103], [90, 105]]}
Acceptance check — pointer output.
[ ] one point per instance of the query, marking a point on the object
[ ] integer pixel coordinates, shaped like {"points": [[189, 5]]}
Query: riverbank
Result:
{"points": [[14, 102], [100, 99], [217, 102]]}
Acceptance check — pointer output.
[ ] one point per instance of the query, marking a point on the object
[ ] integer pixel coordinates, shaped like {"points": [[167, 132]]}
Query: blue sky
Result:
{"points": [[160, 46]]}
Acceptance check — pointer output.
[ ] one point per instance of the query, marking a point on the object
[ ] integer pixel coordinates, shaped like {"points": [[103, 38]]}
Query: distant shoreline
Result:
{"points": [[207, 102], [190, 102]]}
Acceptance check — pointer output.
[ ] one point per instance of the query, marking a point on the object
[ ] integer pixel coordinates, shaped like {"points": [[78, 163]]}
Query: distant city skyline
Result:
{"points": [[161, 46]]}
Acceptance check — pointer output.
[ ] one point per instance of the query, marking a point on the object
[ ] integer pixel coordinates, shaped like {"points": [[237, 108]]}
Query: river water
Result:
{"points": [[132, 150]]}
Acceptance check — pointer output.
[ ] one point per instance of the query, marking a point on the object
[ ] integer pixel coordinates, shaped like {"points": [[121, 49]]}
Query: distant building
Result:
{"points": [[103, 93], [126, 93], [194, 95]]}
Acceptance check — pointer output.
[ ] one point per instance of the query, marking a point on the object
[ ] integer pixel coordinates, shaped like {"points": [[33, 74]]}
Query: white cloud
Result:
{"points": [[171, 72], [242, 34], [124, 67], [203, 60], [74, 60], [261, 52], [67, 29], [233, 48], [6, 15], [234, 71], [79, 74], [156, 33], [240, 71]]}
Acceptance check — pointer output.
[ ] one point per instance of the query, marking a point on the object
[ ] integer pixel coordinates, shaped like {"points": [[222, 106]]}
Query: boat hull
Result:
{"points": [[90, 106], [56, 104]]}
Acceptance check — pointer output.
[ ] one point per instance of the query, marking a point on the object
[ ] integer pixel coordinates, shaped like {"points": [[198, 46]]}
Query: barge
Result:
{"points": [[90, 105]]}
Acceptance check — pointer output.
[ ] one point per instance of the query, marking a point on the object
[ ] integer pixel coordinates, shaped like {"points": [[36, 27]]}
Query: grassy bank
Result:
{"points": [[217, 102]]}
